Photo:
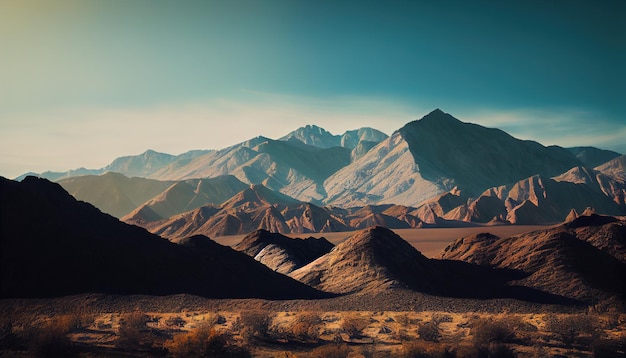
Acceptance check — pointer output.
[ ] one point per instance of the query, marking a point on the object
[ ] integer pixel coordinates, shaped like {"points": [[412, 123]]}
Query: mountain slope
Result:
{"points": [[54, 245], [592, 157], [281, 253], [113, 193], [292, 167], [256, 207], [435, 154], [385, 174], [184, 196], [370, 260], [576, 260], [474, 158], [141, 165]]}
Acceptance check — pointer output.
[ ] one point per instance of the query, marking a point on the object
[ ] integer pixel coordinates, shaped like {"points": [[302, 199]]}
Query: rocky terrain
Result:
{"points": [[583, 259]]}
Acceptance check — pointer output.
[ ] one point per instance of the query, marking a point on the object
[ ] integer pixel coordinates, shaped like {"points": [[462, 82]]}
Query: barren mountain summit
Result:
{"points": [[319, 137], [474, 157], [370, 260]]}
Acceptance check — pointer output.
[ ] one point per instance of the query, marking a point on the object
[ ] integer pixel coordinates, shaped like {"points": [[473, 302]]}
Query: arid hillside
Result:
{"points": [[582, 260]]}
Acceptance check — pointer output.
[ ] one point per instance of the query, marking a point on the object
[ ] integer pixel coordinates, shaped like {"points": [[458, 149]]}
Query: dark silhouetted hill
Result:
{"points": [[53, 245]]}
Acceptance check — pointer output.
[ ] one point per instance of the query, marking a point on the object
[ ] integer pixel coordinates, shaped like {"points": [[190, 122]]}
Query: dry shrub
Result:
{"points": [[71, 322], [354, 325], [8, 338], [175, 321], [571, 328], [486, 331], [439, 317], [419, 349], [331, 351], [497, 350], [429, 331], [254, 324], [402, 335], [403, 319], [306, 327], [51, 340], [132, 331], [213, 319], [204, 341]]}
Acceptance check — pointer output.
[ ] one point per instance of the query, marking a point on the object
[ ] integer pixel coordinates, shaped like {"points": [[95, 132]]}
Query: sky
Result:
{"points": [[84, 81]]}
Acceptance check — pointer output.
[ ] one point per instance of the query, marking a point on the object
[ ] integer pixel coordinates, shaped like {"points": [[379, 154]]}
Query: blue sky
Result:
{"points": [[84, 81]]}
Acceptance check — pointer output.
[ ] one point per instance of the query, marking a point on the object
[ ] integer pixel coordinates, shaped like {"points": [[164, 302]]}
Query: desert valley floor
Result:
{"points": [[429, 241], [391, 323]]}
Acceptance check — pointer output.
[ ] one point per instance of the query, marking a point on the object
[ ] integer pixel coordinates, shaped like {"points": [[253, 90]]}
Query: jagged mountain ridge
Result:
{"points": [[425, 159], [319, 137], [54, 245], [538, 199], [256, 207], [41, 253]]}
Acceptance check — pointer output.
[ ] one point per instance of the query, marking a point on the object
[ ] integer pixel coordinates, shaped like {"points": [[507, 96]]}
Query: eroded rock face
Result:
{"points": [[281, 253]]}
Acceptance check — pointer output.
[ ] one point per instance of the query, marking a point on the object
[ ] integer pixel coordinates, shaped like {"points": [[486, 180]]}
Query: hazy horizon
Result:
{"points": [[85, 82]]}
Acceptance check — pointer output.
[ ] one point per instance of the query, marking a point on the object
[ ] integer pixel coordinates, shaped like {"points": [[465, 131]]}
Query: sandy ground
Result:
{"points": [[378, 333], [429, 241]]}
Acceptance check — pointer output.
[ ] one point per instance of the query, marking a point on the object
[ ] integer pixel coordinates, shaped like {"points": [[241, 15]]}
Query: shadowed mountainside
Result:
{"points": [[472, 157], [591, 157], [438, 153], [582, 260], [53, 245], [281, 253]]}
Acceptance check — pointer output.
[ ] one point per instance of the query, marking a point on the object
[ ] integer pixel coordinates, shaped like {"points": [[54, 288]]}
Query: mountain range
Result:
{"points": [[54, 245], [435, 171]]}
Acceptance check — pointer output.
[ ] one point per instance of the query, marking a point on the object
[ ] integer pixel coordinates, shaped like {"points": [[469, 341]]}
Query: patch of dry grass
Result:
{"points": [[268, 333]]}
